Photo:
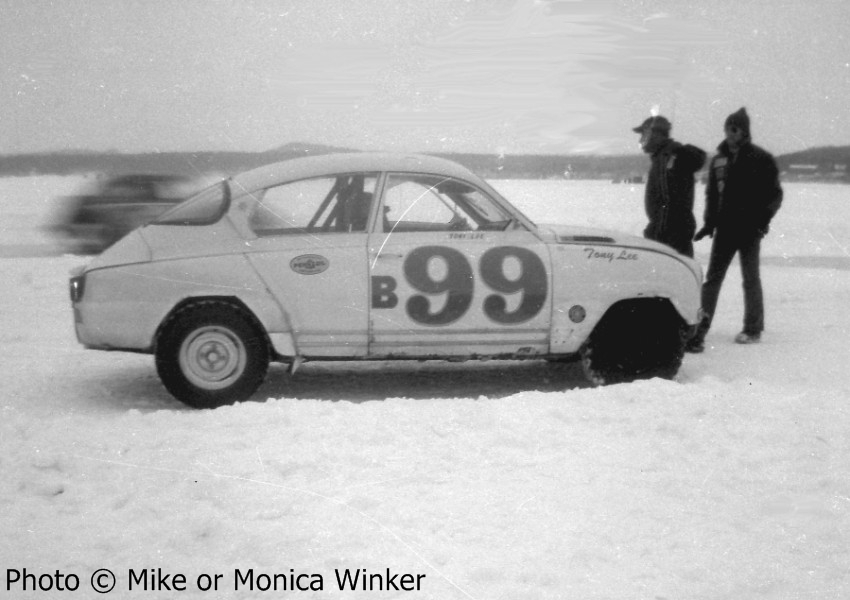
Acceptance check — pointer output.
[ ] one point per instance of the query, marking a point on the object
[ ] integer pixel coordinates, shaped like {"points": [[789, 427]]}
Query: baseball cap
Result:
{"points": [[658, 123]]}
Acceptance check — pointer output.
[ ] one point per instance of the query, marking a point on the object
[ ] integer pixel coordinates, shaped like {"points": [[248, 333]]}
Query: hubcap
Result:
{"points": [[212, 357]]}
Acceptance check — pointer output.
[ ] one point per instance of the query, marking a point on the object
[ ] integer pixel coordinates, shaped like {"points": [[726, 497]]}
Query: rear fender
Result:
{"points": [[281, 343], [153, 290], [254, 297]]}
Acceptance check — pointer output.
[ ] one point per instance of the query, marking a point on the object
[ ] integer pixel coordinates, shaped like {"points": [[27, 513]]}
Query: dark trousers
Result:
{"points": [[681, 244], [723, 249], [685, 247]]}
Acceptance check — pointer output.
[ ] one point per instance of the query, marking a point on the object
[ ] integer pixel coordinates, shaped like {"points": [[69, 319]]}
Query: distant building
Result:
{"points": [[817, 172], [628, 179], [839, 171]]}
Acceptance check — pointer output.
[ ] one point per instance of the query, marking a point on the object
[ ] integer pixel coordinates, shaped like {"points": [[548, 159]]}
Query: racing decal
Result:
{"points": [[441, 272], [610, 255], [531, 282], [309, 264], [457, 284], [470, 235], [382, 292]]}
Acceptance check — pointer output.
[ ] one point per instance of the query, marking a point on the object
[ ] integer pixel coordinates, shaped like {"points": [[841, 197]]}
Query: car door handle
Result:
{"points": [[388, 256]]}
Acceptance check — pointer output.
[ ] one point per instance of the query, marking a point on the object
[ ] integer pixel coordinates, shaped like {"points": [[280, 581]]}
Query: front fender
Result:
{"points": [[588, 280]]}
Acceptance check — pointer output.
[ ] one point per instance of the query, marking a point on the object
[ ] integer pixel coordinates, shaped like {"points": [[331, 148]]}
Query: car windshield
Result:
{"points": [[203, 208]]}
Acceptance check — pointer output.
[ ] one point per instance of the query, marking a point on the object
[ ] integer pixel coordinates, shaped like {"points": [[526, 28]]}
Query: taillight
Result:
{"points": [[78, 286]]}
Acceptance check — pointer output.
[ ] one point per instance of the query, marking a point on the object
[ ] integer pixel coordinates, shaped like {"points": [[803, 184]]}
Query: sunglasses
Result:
{"points": [[733, 129]]}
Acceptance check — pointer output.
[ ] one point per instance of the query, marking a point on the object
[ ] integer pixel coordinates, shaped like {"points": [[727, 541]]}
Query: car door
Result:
{"points": [[452, 274], [310, 250]]}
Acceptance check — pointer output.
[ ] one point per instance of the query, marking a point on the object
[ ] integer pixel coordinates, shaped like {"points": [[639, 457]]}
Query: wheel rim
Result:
{"points": [[213, 357]]}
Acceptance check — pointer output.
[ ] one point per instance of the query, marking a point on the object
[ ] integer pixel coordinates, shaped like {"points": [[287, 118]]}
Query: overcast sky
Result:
{"points": [[512, 76]]}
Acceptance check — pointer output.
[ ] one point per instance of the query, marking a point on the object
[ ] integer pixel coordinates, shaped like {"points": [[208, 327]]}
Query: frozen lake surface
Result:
{"points": [[491, 480]]}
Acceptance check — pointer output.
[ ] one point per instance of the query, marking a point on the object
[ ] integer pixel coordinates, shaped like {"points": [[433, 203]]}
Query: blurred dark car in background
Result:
{"points": [[91, 221]]}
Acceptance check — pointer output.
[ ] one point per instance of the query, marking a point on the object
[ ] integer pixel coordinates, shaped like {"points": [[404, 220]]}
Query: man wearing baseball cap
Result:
{"points": [[669, 198]]}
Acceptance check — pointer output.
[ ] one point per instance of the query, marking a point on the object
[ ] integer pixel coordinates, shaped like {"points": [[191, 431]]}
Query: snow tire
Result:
{"points": [[211, 353], [635, 340]]}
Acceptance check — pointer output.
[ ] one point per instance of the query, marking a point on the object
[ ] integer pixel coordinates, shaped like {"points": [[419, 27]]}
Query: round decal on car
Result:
{"points": [[309, 264], [577, 313]]}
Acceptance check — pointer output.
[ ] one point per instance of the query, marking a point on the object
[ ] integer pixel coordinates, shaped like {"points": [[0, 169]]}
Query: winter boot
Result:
{"points": [[747, 338], [695, 345]]}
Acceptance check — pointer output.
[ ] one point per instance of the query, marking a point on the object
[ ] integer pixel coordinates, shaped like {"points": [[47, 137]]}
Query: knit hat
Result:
{"points": [[739, 119]]}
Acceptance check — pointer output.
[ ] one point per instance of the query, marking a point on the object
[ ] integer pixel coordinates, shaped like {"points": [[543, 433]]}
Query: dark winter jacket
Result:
{"points": [[743, 192], [670, 194]]}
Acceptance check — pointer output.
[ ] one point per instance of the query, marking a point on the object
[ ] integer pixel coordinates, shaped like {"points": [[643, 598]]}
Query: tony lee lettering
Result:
{"points": [[610, 255]]}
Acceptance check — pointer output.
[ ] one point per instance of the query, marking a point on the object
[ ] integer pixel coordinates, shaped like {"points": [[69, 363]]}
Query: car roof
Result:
{"points": [[329, 164]]}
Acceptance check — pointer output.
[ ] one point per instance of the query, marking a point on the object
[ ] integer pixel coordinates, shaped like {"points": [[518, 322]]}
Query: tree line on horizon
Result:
{"points": [[830, 163]]}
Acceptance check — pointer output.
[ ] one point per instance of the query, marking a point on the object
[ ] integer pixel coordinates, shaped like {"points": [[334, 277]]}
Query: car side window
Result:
{"points": [[333, 204], [414, 202], [205, 207]]}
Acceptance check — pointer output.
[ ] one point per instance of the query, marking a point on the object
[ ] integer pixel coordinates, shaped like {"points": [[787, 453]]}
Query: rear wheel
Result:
{"points": [[210, 354], [634, 340]]}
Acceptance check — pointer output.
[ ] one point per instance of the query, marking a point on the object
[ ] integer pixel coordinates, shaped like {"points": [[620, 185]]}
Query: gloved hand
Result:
{"points": [[705, 231]]}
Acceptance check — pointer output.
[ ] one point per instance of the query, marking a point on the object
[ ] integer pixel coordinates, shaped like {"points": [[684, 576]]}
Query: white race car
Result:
{"points": [[374, 256]]}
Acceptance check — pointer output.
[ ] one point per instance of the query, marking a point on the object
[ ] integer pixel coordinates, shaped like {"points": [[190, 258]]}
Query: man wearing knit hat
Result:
{"points": [[669, 195], [742, 196]]}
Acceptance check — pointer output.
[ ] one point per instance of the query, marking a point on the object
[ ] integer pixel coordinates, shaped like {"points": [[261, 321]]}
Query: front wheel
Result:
{"points": [[638, 341], [211, 354]]}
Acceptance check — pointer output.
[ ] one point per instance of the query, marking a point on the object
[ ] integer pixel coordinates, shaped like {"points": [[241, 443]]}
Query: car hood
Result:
{"points": [[568, 234], [589, 236]]}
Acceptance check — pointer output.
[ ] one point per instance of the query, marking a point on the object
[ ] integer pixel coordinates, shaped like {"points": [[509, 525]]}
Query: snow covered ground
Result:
{"points": [[485, 480]]}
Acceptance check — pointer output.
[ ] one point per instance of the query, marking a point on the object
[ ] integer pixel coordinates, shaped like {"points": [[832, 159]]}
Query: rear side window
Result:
{"points": [[333, 204], [204, 208]]}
